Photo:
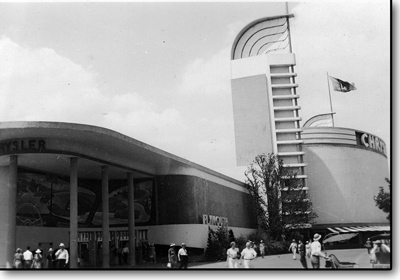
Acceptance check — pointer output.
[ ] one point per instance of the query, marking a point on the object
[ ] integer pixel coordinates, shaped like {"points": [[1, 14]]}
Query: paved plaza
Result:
{"points": [[284, 261]]}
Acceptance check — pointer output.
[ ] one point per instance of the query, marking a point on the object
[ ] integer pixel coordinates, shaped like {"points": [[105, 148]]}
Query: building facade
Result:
{"points": [[340, 168], [347, 167], [58, 179]]}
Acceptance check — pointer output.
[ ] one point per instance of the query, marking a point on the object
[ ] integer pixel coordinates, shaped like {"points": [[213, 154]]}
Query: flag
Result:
{"points": [[339, 85]]}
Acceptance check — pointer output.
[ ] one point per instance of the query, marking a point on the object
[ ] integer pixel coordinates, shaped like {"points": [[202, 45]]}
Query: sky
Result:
{"points": [[159, 72]]}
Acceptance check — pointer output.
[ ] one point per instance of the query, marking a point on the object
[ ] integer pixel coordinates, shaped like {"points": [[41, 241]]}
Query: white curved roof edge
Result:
{"points": [[111, 133]]}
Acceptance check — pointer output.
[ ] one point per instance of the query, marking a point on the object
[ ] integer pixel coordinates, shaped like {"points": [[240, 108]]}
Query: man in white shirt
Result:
{"points": [[248, 254], [316, 252], [28, 258], [62, 256], [183, 257], [125, 253]]}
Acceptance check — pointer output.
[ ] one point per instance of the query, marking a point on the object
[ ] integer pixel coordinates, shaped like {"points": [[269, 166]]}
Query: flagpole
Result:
{"points": [[330, 99]]}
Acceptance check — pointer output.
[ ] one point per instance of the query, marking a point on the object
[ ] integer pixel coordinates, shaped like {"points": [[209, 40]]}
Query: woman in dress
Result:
{"points": [[37, 260], [262, 249], [232, 256], [172, 258], [293, 248], [18, 258], [308, 249]]}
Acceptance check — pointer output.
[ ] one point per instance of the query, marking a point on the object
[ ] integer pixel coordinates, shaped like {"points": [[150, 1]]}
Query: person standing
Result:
{"points": [[262, 249], [380, 253], [18, 259], [248, 254], [302, 253], [37, 260], [293, 248], [368, 245], [254, 246], [152, 253], [28, 258], [183, 257], [316, 252], [50, 259], [62, 256], [172, 259], [119, 253], [308, 249], [232, 256], [125, 253]]}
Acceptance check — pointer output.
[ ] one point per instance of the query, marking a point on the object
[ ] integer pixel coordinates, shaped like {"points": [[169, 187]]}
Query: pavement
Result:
{"points": [[283, 261]]}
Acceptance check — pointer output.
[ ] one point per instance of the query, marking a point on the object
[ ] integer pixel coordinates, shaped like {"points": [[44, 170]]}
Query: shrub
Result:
{"points": [[231, 236], [272, 247], [217, 244]]}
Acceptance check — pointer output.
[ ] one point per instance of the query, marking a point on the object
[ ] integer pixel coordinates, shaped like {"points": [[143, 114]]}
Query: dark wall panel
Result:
{"points": [[184, 199]]}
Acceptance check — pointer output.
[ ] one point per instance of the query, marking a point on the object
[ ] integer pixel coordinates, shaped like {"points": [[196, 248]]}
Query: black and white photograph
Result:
{"points": [[145, 136]]}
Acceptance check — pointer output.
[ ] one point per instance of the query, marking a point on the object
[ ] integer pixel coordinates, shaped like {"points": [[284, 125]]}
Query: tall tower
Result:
{"points": [[265, 101]]}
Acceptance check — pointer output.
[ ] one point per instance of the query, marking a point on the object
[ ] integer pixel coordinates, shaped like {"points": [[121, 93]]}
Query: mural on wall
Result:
{"points": [[118, 204], [44, 201]]}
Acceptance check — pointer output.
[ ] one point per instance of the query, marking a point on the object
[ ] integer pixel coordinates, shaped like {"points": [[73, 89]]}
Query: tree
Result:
{"points": [[281, 201], [231, 236], [217, 244], [212, 246], [382, 200]]}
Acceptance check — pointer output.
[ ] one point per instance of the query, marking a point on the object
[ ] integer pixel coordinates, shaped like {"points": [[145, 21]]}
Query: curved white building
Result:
{"points": [[341, 169], [345, 169]]}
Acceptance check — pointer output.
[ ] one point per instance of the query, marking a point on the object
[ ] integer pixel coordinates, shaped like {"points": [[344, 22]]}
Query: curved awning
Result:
{"points": [[49, 145], [339, 237], [350, 229]]}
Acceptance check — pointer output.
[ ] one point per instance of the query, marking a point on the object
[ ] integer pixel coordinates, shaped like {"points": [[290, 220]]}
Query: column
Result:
{"points": [[10, 229], [105, 216], [131, 221], [73, 213]]}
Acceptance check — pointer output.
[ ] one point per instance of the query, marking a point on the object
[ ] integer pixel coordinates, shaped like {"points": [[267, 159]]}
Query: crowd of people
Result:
{"points": [[36, 260], [145, 253], [309, 249]]}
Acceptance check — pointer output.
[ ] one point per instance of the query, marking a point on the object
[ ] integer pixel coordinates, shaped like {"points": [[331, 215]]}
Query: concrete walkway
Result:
{"points": [[284, 261]]}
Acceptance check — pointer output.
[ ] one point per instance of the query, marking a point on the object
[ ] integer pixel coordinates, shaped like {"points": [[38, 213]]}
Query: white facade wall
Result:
{"points": [[342, 182]]}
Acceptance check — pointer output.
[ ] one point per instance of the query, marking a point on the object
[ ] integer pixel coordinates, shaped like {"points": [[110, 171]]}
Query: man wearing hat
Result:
{"points": [[50, 258], [62, 256], [316, 252], [380, 253], [183, 257]]}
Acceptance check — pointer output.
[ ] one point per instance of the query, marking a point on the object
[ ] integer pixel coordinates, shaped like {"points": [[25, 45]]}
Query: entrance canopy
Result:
{"points": [[359, 229], [49, 146], [339, 237]]}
